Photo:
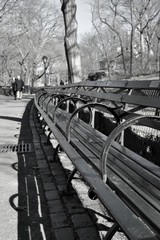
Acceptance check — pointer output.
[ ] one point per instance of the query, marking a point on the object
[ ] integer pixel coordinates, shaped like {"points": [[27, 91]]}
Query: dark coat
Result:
{"points": [[19, 85], [14, 87]]}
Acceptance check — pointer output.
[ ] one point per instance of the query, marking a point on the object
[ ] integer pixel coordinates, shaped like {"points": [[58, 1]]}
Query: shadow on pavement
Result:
{"points": [[32, 213], [11, 118]]}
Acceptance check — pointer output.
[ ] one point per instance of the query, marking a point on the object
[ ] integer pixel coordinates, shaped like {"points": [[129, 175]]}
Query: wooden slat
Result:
{"points": [[143, 191], [144, 101], [127, 84]]}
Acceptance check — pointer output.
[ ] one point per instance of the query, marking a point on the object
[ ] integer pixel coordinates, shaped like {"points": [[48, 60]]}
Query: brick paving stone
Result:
{"points": [[58, 172], [44, 170], [34, 129], [81, 220], [48, 149], [43, 138], [64, 234], [36, 140], [38, 125], [39, 152], [60, 179], [74, 208], [52, 195], [42, 164], [61, 187], [49, 158], [55, 206], [36, 136], [37, 147], [46, 178], [59, 220], [70, 199], [89, 233], [57, 169], [56, 165], [49, 186], [46, 175], [40, 156]]}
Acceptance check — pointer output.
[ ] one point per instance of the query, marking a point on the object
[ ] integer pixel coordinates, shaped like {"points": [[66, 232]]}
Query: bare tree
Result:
{"points": [[6, 6], [111, 23], [145, 14], [32, 29], [105, 52]]}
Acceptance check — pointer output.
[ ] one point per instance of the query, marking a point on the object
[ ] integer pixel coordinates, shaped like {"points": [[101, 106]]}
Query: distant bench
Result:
{"points": [[127, 184]]}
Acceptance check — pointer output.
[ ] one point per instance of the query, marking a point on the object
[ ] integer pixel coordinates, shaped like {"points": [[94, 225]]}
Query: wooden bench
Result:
{"points": [[127, 184]]}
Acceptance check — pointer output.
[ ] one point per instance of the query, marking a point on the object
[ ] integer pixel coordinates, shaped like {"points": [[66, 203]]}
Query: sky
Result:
{"points": [[83, 17]]}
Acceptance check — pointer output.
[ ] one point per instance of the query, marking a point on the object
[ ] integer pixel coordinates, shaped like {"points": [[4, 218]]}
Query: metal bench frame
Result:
{"points": [[64, 141]]}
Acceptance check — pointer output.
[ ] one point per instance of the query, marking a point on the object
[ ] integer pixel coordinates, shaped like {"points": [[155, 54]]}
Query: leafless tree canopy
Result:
{"points": [[29, 30], [124, 42], [126, 35]]}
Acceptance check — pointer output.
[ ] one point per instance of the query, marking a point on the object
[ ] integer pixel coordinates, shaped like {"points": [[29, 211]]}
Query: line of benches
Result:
{"points": [[127, 184]]}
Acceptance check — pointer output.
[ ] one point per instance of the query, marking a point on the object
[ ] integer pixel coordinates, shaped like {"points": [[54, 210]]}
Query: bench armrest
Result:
{"points": [[65, 100], [88, 105], [113, 135], [54, 96]]}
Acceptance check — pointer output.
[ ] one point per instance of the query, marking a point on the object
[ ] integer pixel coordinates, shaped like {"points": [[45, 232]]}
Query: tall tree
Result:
{"points": [[70, 40]]}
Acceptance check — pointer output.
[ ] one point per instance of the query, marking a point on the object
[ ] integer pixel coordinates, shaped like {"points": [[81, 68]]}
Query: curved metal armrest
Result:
{"points": [[114, 134], [39, 97], [93, 105], [64, 100], [45, 97], [52, 97]]}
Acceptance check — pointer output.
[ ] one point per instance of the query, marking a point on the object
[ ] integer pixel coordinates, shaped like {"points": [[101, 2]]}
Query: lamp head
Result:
{"points": [[44, 59]]}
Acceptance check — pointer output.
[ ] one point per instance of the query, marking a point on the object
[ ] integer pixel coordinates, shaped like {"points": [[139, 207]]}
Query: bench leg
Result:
{"points": [[56, 152], [68, 187], [111, 231], [44, 126], [91, 194], [39, 115], [42, 122], [48, 137]]}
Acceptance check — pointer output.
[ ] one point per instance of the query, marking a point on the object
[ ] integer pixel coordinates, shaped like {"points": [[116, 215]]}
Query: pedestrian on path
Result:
{"points": [[61, 82], [19, 87], [14, 88]]}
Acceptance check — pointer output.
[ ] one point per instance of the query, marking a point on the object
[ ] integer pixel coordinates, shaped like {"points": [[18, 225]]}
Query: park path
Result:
{"points": [[11, 113]]}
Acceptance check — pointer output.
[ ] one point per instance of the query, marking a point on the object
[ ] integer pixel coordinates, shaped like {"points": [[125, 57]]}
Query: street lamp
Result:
{"points": [[44, 59]]}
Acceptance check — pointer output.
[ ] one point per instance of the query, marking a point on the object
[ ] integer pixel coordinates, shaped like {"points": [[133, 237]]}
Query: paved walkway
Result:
{"points": [[32, 184], [21, 193], [11, 113]]}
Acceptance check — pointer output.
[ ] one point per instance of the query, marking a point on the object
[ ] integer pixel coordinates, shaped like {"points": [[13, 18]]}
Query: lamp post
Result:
{"points": [[44, 59]]}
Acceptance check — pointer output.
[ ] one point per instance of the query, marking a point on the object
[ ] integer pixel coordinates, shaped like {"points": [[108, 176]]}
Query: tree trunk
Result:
{"points": [[131, 40], [70, 41], [141, 54]]}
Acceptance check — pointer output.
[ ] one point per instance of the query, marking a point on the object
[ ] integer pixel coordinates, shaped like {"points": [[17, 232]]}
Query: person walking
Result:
{"points": [[61, 82], [14, 88], [19, 87]]}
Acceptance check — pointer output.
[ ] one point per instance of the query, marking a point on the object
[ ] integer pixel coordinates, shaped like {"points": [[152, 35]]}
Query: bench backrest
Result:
{"points": [[127, 98]]}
